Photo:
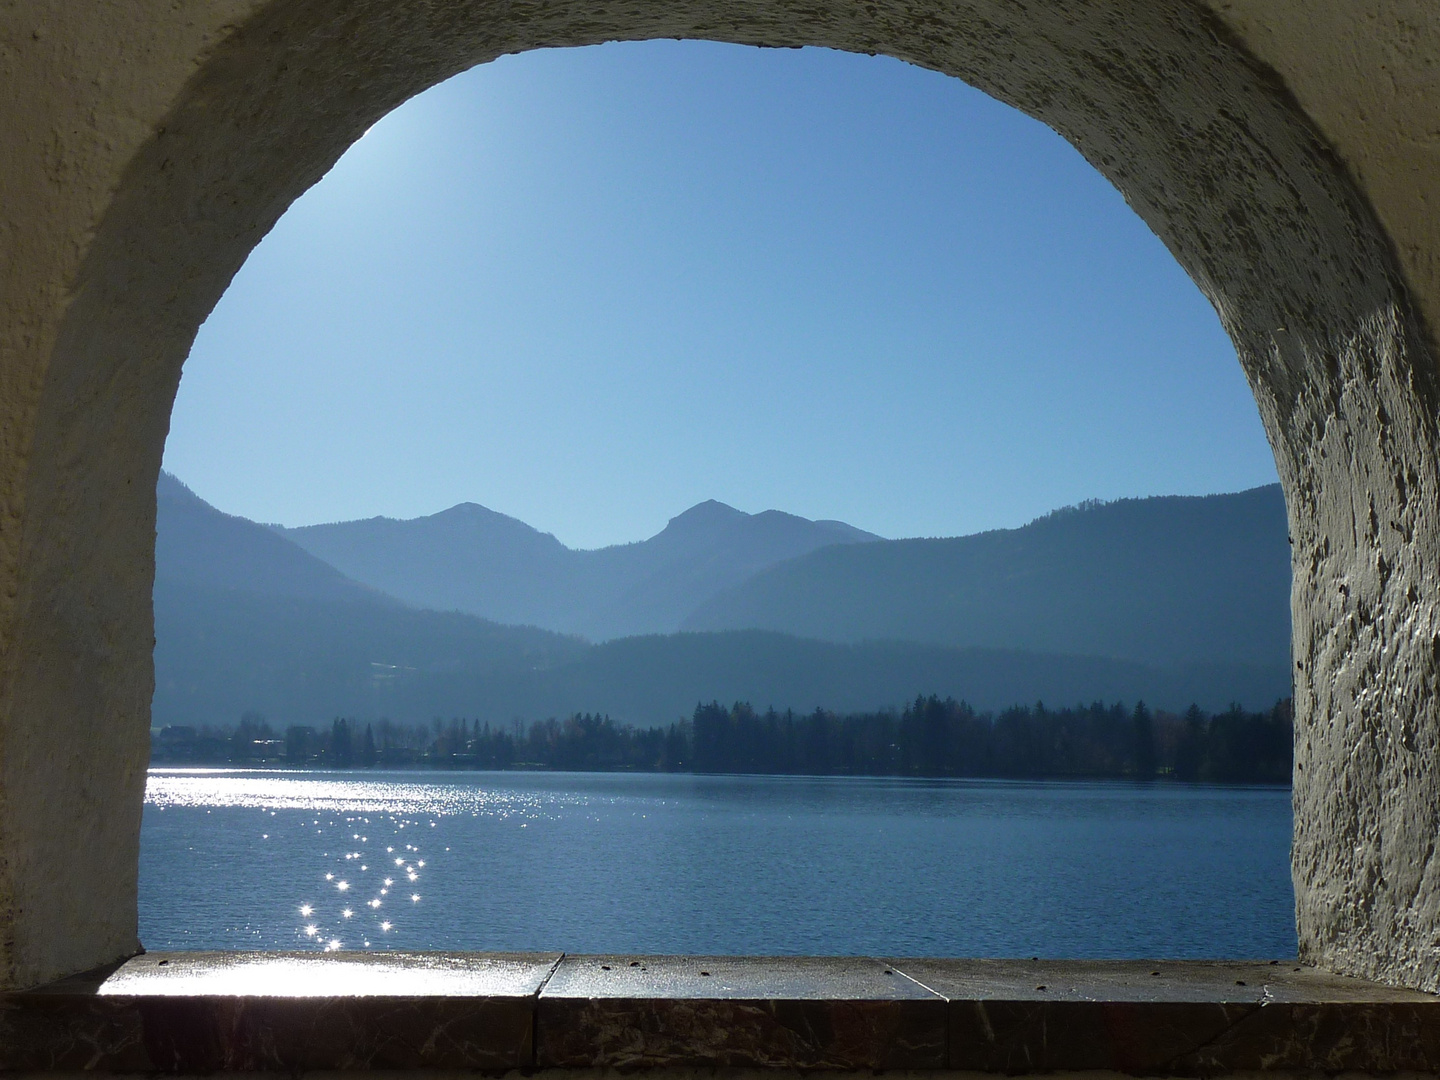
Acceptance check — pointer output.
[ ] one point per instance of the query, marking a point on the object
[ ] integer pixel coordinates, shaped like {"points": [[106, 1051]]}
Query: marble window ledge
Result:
{"points": [[300, 1012]]}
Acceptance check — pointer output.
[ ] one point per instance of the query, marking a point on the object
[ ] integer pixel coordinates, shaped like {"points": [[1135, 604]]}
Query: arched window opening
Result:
{"points": [[590, 289]]}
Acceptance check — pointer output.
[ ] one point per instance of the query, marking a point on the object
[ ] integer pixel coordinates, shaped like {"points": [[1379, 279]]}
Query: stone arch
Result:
{"points": [[150, 201]]}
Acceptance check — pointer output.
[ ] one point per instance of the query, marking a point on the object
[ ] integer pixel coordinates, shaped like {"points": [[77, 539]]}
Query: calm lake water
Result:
{"points": [[235, 859]]}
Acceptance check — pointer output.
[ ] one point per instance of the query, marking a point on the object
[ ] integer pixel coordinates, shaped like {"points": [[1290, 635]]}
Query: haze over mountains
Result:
{"points": [[1167, 581], [1172, 600], [198, 546], [244, 619], [475, 560]]}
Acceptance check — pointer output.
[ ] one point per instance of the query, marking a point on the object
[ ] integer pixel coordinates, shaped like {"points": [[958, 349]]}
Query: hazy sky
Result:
{"points": [[590, 288]]}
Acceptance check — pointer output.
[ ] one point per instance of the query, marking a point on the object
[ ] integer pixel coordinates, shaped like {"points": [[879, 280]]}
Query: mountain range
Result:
{"points": [[475, 560], [249, 619], [1167, 581]]}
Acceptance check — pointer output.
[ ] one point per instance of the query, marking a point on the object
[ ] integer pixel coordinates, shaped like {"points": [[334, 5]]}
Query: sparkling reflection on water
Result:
{"points": [[239, 859]]}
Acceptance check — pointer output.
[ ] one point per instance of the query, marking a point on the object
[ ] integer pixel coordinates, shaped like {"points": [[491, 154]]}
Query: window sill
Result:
{"points": [[294, 1012]]}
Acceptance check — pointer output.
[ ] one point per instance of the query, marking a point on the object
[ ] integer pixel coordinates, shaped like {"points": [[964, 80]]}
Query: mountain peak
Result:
{"points": [[708, 513], [472, 513], [715, 517], [471, 509]]}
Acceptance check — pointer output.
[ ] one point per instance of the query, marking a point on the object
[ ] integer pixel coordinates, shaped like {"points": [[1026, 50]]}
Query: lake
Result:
{"points": [[605, 862]]}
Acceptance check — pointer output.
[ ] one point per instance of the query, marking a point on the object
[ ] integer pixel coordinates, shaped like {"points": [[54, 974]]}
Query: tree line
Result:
{"points": [[938, 738], [929, 737]]}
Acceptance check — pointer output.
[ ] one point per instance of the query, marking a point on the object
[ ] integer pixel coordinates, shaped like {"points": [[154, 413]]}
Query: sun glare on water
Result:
{"points": [[353, 809]]}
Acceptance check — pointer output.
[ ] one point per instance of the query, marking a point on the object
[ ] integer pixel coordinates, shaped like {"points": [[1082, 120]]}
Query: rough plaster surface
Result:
{"points": [[1285, 151]]}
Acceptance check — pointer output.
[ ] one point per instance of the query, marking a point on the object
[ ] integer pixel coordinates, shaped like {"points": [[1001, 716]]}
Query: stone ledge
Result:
{"points": [[300, 1012]]}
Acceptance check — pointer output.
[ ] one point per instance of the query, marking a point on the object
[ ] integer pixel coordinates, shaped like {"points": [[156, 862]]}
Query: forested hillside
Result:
{"points": [[1160, 581]]}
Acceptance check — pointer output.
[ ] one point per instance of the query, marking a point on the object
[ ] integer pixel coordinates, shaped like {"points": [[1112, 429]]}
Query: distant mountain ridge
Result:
{"points": [[1169, 580], [472, 559], [245, 619], [198, 545]]}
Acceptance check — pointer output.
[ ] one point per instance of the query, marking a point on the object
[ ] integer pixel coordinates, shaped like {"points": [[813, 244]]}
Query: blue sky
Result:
{"points": [[590, 288]]}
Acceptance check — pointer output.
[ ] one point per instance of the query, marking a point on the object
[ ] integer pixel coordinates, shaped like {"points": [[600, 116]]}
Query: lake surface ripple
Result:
{"points": [[587, 862]]}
